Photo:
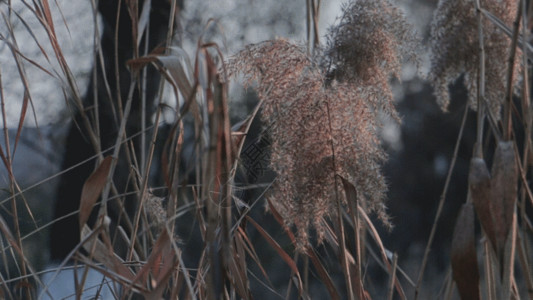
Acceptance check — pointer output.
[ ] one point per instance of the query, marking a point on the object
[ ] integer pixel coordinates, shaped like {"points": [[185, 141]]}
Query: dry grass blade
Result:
{"points": [[323, 274], [22, 117], [92, 188], [241, 129], [4, 229], [23, 78], [240, 234], [6, 162], [237, 275], [216, 191], [6, 232], [34, 63], [353, 288], [162, 262], [30, 31], [238, 266], [375, 235], [392, 277], [463, 254], [351, 198], [45, 9], [283, 255]]}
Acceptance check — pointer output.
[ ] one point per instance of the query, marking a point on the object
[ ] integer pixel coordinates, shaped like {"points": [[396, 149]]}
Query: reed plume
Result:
{"points": [[455, 50], [322, 112], [367, 46]]}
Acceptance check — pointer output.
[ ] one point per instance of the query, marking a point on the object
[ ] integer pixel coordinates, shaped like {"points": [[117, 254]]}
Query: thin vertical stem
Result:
{"points": [[478, 150], [392, 276], [507, 123]]}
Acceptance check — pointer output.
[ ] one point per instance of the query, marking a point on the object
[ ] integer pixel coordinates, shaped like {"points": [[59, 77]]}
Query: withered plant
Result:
{"points": [[157, 207]]}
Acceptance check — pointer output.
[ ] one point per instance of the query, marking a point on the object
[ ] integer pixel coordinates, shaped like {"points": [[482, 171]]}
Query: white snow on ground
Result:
{"points": [[62, 286]]}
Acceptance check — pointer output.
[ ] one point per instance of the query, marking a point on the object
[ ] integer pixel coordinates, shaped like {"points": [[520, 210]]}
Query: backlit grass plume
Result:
{"points": [[455, 50], [321, 125], [368, 45]]}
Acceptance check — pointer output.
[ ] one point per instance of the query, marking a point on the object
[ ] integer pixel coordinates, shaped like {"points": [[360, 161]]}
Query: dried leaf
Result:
{"points": [[177, 71], [161, 263], [138, 63], [153, 262], [504, 191], [463, 254], [251, 251], [480, 191], [92, 188]]}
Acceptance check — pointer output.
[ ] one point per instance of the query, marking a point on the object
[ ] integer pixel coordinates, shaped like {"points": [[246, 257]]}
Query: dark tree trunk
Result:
{"points": [[65, 233]]}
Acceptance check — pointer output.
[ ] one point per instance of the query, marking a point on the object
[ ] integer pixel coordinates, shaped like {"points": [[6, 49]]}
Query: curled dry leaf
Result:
{"points": [[177, 63], [504, 191], [494, 198], [159, 266], [480, 190], [464, 260], [92, 188]]}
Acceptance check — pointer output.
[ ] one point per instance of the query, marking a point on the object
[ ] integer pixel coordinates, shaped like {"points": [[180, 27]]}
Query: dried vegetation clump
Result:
{"points": [[321, 113], [455, 50]]}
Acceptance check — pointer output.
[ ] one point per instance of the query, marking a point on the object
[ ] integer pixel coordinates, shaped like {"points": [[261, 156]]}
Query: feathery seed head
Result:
{"points": [[455, 50], [321, 129], [368, 45], [317, 132]]}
